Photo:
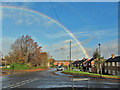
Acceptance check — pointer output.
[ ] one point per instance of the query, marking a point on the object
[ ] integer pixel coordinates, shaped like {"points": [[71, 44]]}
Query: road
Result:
{"points": [[51, 79]]}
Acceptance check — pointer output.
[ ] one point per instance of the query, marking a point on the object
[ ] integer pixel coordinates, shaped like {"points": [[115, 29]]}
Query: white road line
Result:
{"points": [[18, 84], [21, 83]]}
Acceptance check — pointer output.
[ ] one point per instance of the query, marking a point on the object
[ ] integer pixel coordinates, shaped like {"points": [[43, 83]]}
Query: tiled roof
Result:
{"points": [[80, 61], [115, 59], [90, 60]]}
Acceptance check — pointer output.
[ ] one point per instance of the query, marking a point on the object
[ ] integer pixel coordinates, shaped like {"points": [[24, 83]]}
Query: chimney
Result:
{"points": [[84, 58], [113, 55]]}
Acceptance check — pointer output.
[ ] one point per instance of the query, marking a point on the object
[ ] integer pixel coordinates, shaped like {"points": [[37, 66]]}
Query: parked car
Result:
{"points": [[60, 68]]}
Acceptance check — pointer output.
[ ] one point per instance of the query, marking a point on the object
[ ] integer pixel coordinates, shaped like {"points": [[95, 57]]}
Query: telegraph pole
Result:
{"points": [[62, 53], [70, 53]]}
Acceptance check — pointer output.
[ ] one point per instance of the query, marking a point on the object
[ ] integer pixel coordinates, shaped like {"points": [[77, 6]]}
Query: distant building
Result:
{"points": [[90, 65], [85, 65], [112, 65], [79, 63]]}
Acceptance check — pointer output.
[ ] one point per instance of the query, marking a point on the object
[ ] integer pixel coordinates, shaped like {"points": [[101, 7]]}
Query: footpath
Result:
{"points": [[9, 72]]}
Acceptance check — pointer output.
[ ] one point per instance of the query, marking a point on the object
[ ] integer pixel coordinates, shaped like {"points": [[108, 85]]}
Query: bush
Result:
{"points": [[17, 66]]}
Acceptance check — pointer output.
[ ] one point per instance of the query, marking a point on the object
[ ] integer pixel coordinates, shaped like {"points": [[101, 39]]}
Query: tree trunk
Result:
{"points": [[97, 71], [101, 69]]}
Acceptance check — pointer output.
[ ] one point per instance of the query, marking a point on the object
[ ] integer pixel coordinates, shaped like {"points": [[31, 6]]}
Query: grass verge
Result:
{"points": [[90, 74]]}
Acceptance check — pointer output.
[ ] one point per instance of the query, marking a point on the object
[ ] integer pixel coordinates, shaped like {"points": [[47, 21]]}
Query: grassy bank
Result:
{"points": [[89, 74], [16, 66]]}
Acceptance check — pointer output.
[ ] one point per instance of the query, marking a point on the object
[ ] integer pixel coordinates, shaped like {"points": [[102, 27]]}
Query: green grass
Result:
{"points": [[18, 66], [87, 73]]}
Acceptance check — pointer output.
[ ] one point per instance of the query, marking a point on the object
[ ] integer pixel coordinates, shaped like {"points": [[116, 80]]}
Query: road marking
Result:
{"points": [[21, 83]]}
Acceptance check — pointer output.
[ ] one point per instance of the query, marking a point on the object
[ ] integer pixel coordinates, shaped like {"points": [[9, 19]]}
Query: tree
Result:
{"points": [[25, 50], [96, 54], [98, 61], [51, 61]]}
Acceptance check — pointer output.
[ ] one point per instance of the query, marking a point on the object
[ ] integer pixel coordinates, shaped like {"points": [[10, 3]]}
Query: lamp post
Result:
{"points": [[99, 60], [99, 47]]}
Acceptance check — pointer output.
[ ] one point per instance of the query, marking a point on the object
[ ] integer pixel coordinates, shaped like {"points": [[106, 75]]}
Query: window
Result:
{"points": [[109, 71], [117, 64], [105, 64], [118, 73], [89, 69], [113, 72], [113, 63], [108, 63], [105, 70]]}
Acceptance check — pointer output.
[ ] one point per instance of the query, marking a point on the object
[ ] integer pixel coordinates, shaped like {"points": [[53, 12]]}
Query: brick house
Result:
{"points": [[112, 65], [79, 63], [90, 66]]}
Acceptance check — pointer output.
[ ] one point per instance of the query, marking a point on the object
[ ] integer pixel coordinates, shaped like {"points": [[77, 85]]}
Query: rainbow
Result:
{"points": [[56, 22]]}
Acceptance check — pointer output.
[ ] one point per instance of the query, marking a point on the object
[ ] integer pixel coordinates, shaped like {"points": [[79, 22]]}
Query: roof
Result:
{"points": [[116, 59], [90, 60], [80, 61], [75, 62]]}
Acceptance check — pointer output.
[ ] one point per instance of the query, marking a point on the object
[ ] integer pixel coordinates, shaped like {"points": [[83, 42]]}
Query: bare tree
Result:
{"points": [[25, 50]]}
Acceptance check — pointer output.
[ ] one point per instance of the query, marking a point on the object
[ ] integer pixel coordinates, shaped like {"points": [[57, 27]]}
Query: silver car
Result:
{"points": [[60, 68]]}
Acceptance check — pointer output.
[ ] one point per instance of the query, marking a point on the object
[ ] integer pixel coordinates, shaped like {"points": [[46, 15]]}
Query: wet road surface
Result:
{"points": [[51, 79]]}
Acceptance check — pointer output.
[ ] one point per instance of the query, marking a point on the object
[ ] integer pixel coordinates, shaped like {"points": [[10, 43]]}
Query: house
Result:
{"points": [[79, 63], [85, 65], [112, 65], [90, 65]]}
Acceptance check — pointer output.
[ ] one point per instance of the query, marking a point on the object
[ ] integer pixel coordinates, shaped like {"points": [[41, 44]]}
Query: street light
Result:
{"points": [[99, 47], [99, 59]]}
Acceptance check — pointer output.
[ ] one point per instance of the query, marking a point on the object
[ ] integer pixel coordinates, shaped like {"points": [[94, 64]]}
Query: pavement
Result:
{"points": [[52, 79]]}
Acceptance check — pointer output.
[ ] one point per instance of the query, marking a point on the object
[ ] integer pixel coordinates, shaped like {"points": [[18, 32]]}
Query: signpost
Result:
{"points": [[78, 79]]}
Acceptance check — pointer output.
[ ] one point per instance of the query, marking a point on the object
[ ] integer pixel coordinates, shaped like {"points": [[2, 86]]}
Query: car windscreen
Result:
{"points": [[59, 67]]}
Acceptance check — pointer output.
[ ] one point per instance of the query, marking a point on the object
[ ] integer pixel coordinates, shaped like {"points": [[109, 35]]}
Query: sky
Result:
{"points": [[90, 22]]}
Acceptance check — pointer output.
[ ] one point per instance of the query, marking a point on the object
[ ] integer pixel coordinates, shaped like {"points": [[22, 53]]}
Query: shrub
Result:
{"points": [[17, 66]]}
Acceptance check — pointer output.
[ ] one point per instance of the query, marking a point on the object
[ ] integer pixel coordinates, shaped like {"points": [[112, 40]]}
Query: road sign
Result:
{"points": [[80, 79]]}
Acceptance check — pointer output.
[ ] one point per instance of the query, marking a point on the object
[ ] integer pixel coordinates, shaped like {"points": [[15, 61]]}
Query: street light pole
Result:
{"points": [[99, 47], [99, 59]]}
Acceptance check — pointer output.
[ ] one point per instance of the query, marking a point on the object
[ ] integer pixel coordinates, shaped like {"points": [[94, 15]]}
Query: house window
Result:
{"points": [[113, 72], [109, 71], [118, 73], [105, 64], [117, 63], [113, 63], [89, 69], [108, 63], [105, 70]]}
